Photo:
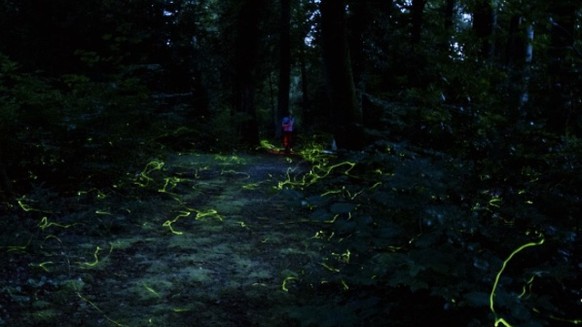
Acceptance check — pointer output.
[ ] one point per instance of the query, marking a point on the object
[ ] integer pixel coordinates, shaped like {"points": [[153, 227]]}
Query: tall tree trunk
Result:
{"points": [[417, 20], [284, 62], [5, 187], [449, 24], [305, 102], [514, 51], [247, 43], [359, 20], [347, 116], [518, 56], [483, 25], [449, 14], [562, 79]]}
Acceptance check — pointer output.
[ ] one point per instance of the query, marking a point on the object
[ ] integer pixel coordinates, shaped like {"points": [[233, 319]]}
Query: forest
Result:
{"points": [[435, 174]]}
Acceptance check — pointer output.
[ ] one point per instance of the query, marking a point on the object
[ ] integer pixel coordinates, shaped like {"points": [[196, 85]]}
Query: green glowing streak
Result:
{"points": [[14, 248], [170, 183], [375, 185], [232, 159], [151, 290], [100, 311], [43, 265], [96, 256], [526, 287], [495, 201], [318, 172], [26, 208], [234, 172], [199, 216], [178, 310], [330, 268], [571, 321], [345, 285], [343, 190], [343, 257], [103, 212], [333, 219], [251, 186], [168, 223], [331, 192], [44, 223], [355, 195], [265, 144], [48, 237], [101, 195], [285, 281], [496, 282], [210, 213], [110, 248], [503, 322], [144, 179], [553, 317], [322, 235], [314, 153]]}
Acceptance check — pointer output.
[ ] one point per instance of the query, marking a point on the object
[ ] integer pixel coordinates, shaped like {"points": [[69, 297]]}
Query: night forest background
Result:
{"points": [[453, 195]]}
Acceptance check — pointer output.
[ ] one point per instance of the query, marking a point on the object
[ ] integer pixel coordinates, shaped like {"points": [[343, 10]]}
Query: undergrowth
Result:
{"points": [[410, 233]]}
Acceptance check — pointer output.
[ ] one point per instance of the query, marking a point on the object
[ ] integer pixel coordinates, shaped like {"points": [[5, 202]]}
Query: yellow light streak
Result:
{"points": [[500, 320], [114, 322], [96, 256], [285, 281]]}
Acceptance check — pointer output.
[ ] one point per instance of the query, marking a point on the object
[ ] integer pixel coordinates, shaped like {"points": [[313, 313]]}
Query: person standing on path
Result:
{"points": [[287, 126]]}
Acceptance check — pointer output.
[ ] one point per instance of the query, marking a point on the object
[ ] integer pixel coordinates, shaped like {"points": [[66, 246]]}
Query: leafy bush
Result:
{"points": [[71, 129], [411, 232]]}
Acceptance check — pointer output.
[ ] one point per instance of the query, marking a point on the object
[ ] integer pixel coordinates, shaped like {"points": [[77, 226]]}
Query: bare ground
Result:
{"points": [[195, 240]]}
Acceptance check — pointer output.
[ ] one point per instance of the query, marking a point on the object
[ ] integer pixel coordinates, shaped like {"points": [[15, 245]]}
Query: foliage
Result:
{"points": [[471, 154], [421, 227], [71, 129]]}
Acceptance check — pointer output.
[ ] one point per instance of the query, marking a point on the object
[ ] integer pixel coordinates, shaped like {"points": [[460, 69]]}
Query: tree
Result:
{"points": [[284, 60], [449, 23], [483, 27], [246, 62], [358, 23], [346, 114], [417, 20], [562, 79]]}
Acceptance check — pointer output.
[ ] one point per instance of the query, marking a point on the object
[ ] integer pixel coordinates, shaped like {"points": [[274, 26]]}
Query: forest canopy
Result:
{"points": [[92, 90]]}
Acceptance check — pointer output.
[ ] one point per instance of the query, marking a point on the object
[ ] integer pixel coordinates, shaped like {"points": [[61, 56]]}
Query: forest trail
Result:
{"points": [[203, 240]]}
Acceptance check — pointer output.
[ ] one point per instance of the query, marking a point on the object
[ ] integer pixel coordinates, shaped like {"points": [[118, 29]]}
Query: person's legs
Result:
{"points": [[287, 141]]}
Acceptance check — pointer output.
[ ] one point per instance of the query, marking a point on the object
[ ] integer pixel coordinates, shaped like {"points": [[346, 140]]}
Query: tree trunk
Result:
{"points": [[417, 20], [5, 187], [359, 20], [562, 80], [305, 102], [514, 51], [347, 116], [449, 24], [247, 43], [449, 14], [483, 24], [284, 62]]}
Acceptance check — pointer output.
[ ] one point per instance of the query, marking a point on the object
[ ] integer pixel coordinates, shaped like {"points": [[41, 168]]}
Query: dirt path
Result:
{"points": [[198, 240]]}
